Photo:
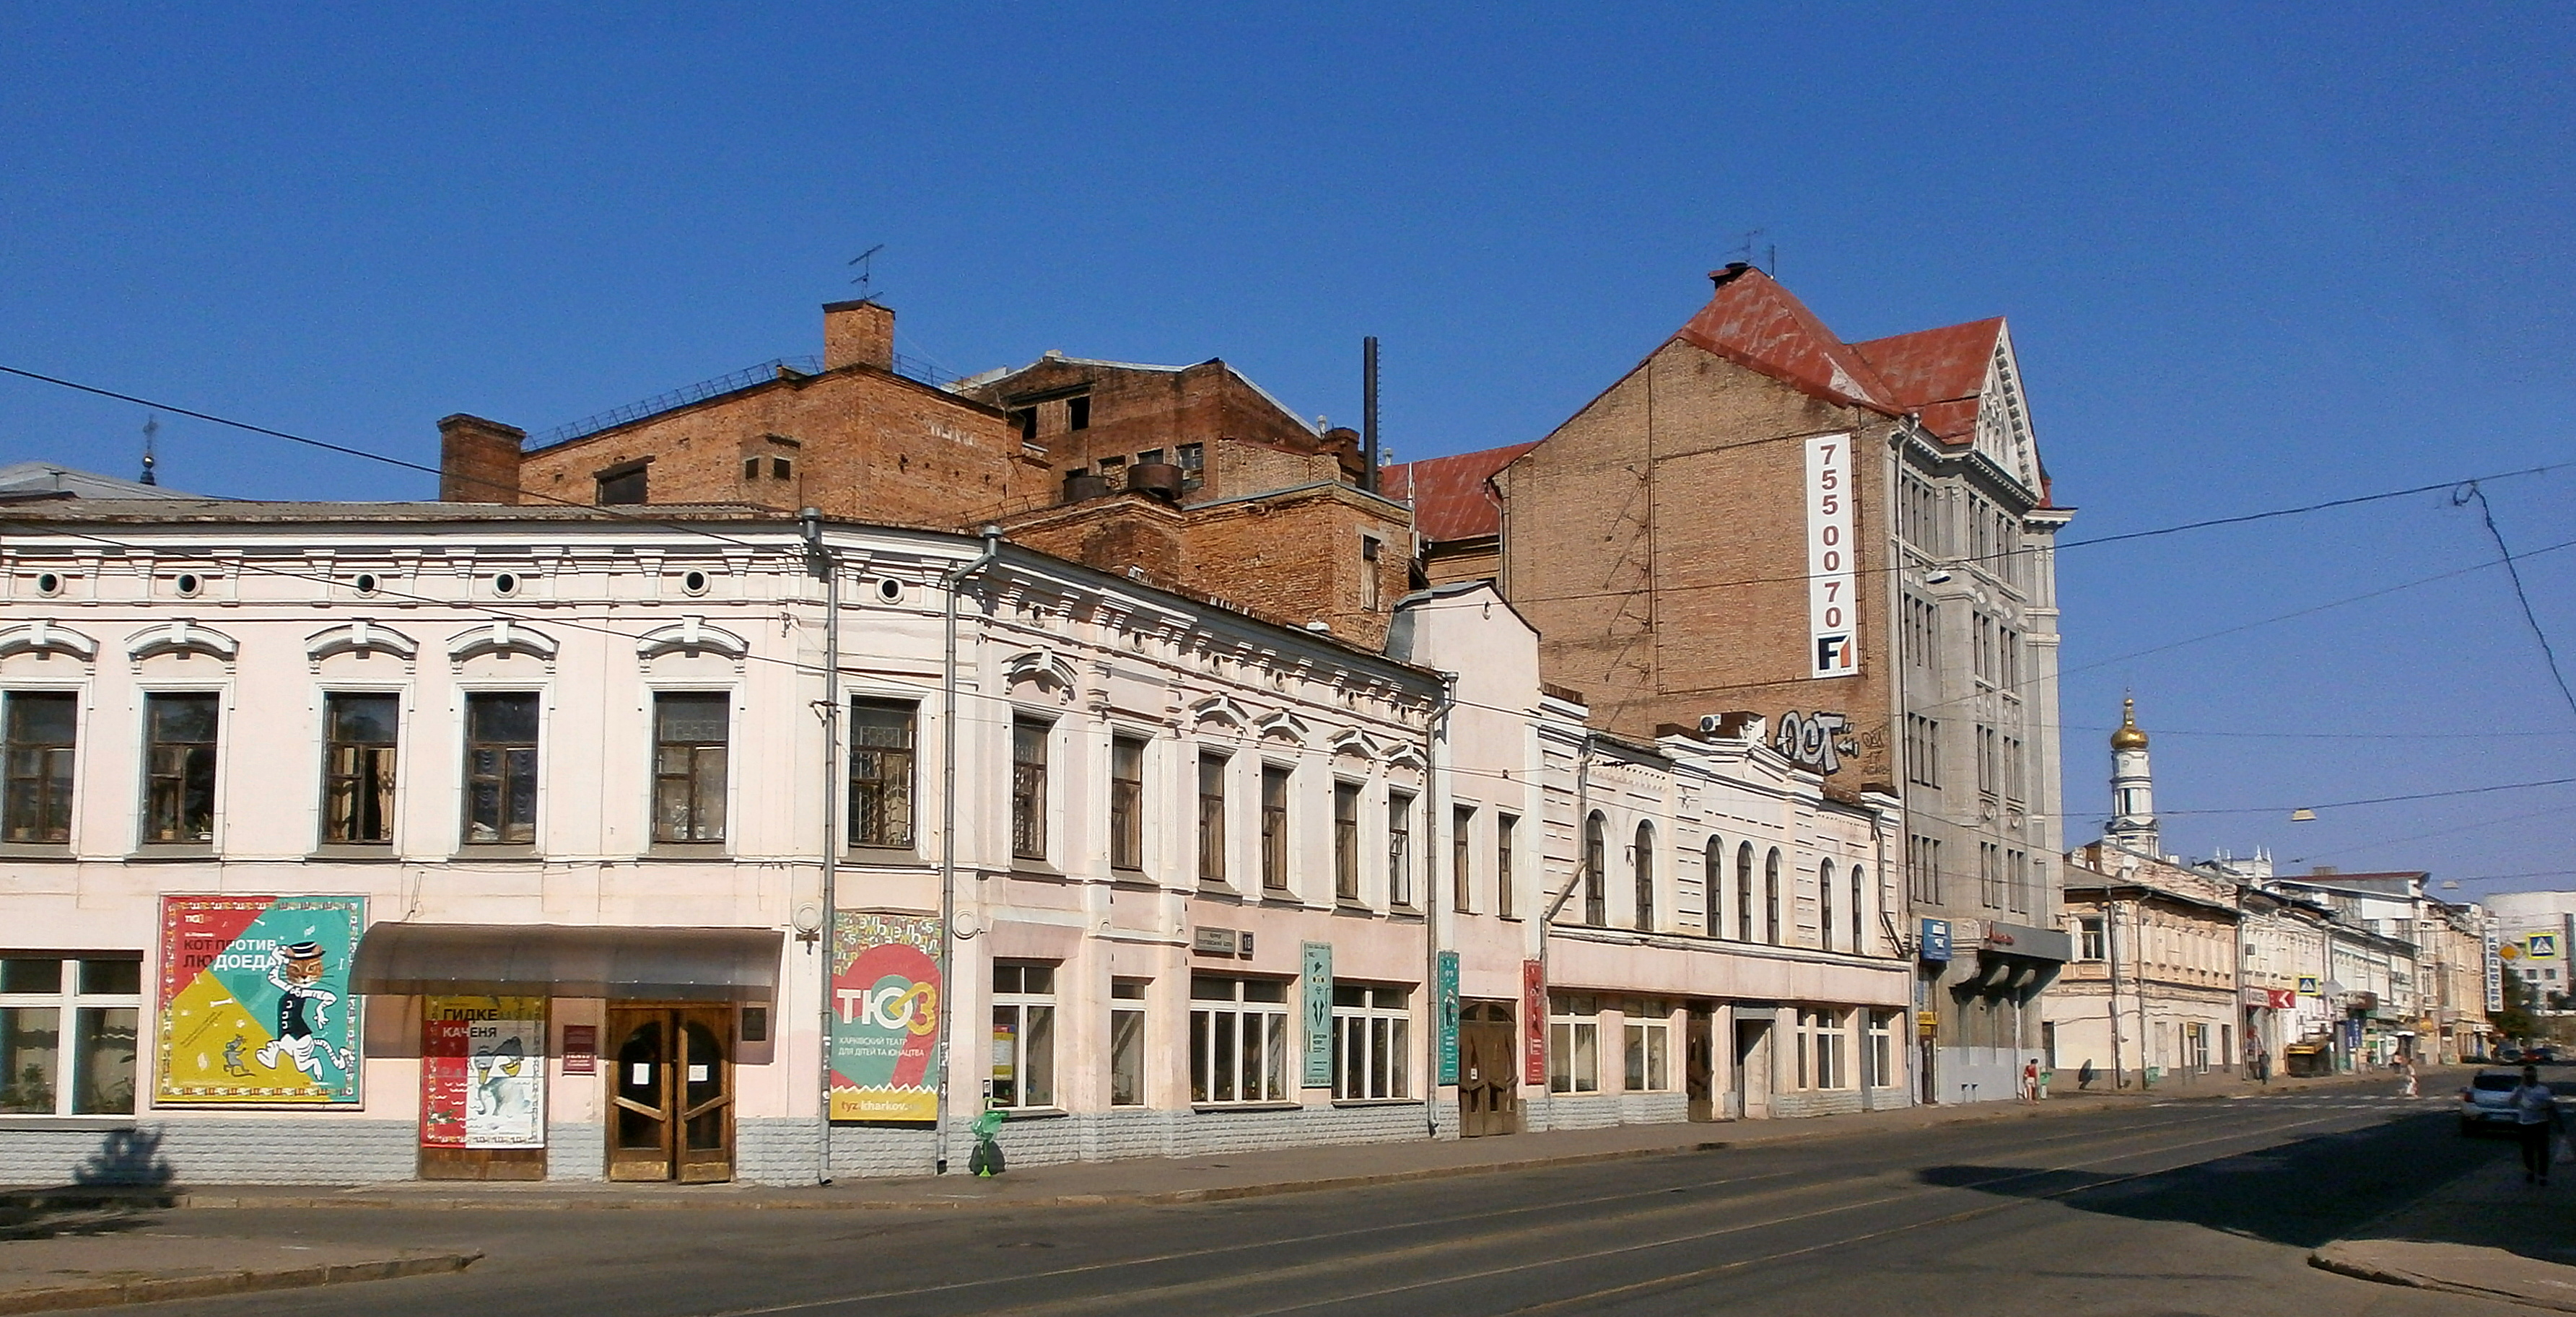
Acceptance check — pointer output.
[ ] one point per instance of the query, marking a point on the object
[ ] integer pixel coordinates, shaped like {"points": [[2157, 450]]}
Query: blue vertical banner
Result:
{"points": [[1318, 997], [1448, 1007]]}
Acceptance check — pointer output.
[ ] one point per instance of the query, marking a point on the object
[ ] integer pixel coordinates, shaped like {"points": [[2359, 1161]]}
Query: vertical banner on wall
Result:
{"points": [[2495, 970], [1316, 989], [1833, 630], [1533, 1023], [254, 1001], [1448, 1007], [885, 1017], [483, 1072]]}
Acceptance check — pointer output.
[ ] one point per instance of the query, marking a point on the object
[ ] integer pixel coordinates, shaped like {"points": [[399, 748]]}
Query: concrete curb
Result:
{"points": [[2486, 1273], [110, 1293]]}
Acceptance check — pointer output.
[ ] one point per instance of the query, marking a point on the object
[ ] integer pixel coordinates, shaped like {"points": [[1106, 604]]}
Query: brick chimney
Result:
{"points": [[858, 333], [478, 460]]}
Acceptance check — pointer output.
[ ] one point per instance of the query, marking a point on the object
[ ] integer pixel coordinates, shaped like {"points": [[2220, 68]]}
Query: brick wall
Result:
{"points": [[320, 1150], [1252, 445]]}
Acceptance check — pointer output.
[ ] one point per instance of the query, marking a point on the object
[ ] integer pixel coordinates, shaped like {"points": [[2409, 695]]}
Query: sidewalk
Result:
{"points": [[2485, 1233], [95, 1271]]}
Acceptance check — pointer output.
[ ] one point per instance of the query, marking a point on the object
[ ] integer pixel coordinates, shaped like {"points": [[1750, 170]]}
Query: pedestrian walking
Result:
{"points": [[2084, 1075], [2030, 1081], [2535, 1111], [2406, 1071]]}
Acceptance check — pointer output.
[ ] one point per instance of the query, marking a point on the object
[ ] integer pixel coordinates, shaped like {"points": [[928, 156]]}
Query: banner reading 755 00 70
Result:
{"points": [[885, 1017]]}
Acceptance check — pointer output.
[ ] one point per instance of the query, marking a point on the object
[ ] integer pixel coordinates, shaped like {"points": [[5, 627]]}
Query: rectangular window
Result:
{"points": [[1274, 828], [691, 730], [42, 729], [1023, 1035], [1127, 1042], [100, 999], [2017, 886], [1573, 1046], [1238, 1040], [1990, 875], [500, 768], [1193, 461], [1368, 573], [1126, 803], [1399, 848], [1923, 865], [1829, 1032], [1024, 420], [1880, 1058], [1077, 413], [1370, 1043], [1029, 788], [1462, 831], [780, 468], [1346, 841], [1989, 763], [358, 768], [881, 769], [1212, 818], [1504, 826], [2088, 939], [1649, 1053], [1922, 750], [618, 487], [179, 767]]}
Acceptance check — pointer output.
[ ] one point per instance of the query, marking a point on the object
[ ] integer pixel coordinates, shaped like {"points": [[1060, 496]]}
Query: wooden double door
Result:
{"points": [[671, 1093], [1489, 1070]]}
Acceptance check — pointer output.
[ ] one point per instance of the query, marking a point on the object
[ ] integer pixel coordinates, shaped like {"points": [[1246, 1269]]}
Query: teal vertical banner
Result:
{"points": [[1318, 991], [1448, 1017]]}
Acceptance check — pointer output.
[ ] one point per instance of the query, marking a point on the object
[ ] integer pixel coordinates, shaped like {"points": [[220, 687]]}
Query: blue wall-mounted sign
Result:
{"points": [[1936, 940]]}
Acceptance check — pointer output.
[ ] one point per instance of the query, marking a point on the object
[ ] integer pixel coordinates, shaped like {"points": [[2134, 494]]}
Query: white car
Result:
{"points": [[2487, 1103]]}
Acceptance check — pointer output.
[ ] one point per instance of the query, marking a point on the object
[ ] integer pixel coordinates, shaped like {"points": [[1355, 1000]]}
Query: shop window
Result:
{"points": [[1212, 770], [1649, 1039], [1238, 1040], [1274, 828], [1127, 1042], [1371, 1040], [500, 767], [1023, 1035], [1823, 1040], [1878, 1059], [358, 768], [90, 1073], [1029, 738], [1126, 802], [881, 769], [1573, 1046], [1346, 841], [179, 767], [1399, 848], [690, 744]]}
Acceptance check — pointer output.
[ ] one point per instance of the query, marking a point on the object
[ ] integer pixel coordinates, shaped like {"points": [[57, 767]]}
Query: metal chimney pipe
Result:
{"points": [[1368, 409]]}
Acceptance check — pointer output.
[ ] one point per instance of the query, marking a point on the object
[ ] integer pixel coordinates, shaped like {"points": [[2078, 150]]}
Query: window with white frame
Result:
{"points": [[42, 731], [881, 767], [95, 1000], [1462, 832], [1029, 738], [1346, 841], [1212, 771], [690, 736], [1371, 1037], [1505, 826], [1573, 1045], [1596, 900], [359, 735], [1023, 1035], [1878, 1059], [2088, 938], [500, 768], [1127, 1042], [1399, 848], [1274, 828], [1126, 802], [1238, 1040], [179, 740], [1824, 1049], [1649, 1039]]}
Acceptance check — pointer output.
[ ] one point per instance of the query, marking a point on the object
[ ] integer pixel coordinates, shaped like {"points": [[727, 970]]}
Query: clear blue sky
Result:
{"points": [[2251, 258]]}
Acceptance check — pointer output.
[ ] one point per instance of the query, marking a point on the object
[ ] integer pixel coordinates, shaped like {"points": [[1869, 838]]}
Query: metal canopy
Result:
{"points": [[555, 960]]}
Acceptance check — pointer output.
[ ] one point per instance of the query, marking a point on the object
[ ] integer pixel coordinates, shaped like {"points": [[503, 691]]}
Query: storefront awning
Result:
{"points": [[554, 960]]}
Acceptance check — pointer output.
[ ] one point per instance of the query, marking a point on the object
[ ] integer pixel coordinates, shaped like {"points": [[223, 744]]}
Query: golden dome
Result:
{"points": [[2128, 737]]}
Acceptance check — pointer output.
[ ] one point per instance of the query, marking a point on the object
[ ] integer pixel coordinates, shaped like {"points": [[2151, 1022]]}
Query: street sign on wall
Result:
{"points": [[1448, 1007], [1317, 993]]}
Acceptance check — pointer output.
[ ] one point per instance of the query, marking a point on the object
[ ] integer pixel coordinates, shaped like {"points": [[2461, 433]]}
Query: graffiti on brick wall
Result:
{"points": [[1816, 740]]}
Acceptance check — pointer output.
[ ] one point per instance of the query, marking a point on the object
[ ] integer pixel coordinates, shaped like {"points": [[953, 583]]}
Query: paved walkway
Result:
{"points": [[63, 1248], [2485, 1233]]}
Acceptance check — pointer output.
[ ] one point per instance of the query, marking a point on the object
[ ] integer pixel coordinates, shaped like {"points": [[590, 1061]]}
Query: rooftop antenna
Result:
{"points": [[866, 261], [151, 427], [1368, 414], [1771, 252]]}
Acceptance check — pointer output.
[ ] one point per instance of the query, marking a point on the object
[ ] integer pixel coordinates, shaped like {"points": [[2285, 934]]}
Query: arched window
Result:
{"points": [[1825, 904], [1744, 892], [1713, 881], [1859, 876], [1645, 877], [1595, 899], [1771, 898]]}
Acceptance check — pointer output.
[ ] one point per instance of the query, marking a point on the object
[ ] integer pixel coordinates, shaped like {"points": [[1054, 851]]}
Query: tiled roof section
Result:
{"points": [[1450, 500], [1938, 373], [1755, 322]]}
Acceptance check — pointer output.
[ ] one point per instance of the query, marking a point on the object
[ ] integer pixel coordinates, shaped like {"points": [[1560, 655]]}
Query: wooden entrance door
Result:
{"points": [[671, 1093], [1752, 1068], [1488, 1070], [1699, 1067]]}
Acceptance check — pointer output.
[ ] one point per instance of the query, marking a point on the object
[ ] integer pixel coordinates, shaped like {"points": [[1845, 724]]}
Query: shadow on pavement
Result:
{"points": [[2303, 1193], [118, 1187]]}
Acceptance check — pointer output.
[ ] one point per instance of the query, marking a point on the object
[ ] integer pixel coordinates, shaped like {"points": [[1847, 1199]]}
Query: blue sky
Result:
{"points": [[2253, 257]]}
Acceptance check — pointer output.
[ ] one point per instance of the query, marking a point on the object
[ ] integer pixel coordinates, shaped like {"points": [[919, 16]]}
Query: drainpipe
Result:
{"points": [[826, 564], [2111, 957], [948, 826], [1582, 859], [1436, 808]]}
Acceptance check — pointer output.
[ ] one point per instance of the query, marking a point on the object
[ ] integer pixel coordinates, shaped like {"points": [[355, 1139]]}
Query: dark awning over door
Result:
{"points": [[555, 960]]}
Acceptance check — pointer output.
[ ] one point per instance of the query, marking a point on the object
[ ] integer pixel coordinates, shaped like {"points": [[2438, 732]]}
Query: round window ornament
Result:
{"points": [[49, 584], [890, 590], [505, 584], [693, 582], [189, 585], [364, 583]]}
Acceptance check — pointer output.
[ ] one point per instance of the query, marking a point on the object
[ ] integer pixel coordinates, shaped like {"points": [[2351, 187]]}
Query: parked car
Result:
{"points": [[2487, 1103], [2541, 1055]]}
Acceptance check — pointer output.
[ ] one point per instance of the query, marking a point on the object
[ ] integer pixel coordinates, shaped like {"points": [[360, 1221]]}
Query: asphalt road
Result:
{"points": [[2192, 1207]]}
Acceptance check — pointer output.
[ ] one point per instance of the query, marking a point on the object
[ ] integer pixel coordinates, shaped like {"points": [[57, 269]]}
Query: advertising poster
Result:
{"points": [[885, 1017], [1448, 1017], [483, 1072], [254, 1001], [1534, 1023], [1317, 998]]}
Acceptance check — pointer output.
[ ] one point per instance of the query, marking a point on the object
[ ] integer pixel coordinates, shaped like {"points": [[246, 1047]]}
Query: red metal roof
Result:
{"points": [[1450, 498], [1754, 321], [1938, 373]]}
